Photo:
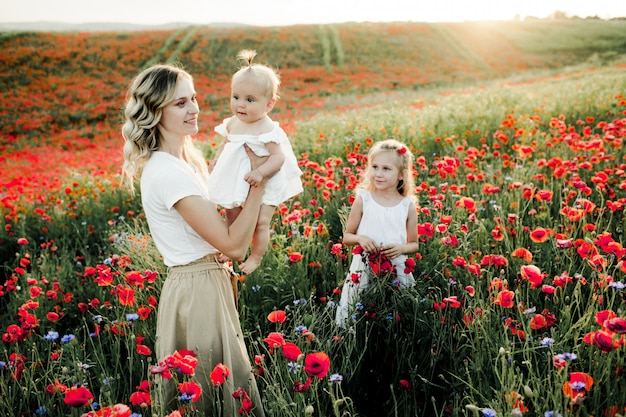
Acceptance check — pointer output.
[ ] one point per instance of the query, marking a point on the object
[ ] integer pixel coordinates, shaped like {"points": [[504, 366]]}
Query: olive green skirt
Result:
{"points": [[197, 311]]}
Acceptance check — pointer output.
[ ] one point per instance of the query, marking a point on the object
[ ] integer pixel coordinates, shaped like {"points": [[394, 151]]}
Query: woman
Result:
{"points": [[197, 308]]}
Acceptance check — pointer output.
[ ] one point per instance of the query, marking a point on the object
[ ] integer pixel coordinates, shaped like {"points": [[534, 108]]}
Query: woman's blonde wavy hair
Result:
{"points": [[404, 162], [152, 90]]}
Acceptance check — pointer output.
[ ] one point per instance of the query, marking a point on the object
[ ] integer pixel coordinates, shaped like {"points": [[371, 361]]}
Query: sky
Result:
{"points": [[291, 12]]}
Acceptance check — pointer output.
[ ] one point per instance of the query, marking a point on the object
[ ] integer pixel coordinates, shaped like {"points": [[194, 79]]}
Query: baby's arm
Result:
{"points": [[411, 245], [350, 238], [270, 167], [217, 154]]}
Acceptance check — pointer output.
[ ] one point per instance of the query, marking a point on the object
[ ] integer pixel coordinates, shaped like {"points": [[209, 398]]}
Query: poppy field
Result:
{"points": [[520, 175]]}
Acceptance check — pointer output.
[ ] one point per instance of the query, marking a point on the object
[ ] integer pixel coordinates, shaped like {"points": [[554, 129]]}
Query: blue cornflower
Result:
{"points": [[335, 378], [567, 356], [136, 415], [547, 341], [389, 317], [489, 412], [618, 285], [132, 316], [97, 318], [256, 288], [301, 328], [107, 261], [552, 414], [332, 304], [359, 306], [67, 338], [185, 397], [41, 410], [294, 366], [578, 385], [52, 335]]}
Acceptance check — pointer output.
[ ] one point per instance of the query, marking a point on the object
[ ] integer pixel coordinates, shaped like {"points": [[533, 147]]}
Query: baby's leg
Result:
{"points": [[260, 240], [231, 215]]}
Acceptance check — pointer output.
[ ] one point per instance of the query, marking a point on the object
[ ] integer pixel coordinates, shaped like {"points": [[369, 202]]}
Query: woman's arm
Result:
{"points": [[203, 217], [268, 168]]}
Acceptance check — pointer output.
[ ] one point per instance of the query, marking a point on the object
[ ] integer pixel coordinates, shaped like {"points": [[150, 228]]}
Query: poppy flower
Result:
{"points": [[295, 256], [300, 387], [505, 299], [78, 397], [540, 235], [317, 364], [532, 274], [578, 384], [277, 316], [616, 325], [140, 399], [603, 340], [219, 374], [523, 254], [192, 389], [274, 340], [291, 351]]}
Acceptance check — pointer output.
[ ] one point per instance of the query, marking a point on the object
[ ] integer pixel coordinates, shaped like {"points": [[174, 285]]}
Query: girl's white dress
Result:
{"points": [[385, 225], [227, 187]]}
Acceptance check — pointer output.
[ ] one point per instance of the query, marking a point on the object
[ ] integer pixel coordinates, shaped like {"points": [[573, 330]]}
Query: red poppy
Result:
{"points": [[505, 299], [291, 351], [579, 383], [300, 387], [317, 364], [616, 325], [192, 389], [538, 322], [603, 340], [126, 295], [219, 374], [523, 254], [277, 316], [295, 256], [533, 274], [78, 397], [540, 235], [405, 384], [22, 241], [274, 340], [140, 399]]}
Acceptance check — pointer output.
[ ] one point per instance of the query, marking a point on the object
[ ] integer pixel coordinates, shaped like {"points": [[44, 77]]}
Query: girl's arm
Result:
{"points": [[203, 217], [350, 238], [411, 245], [268, 168]]}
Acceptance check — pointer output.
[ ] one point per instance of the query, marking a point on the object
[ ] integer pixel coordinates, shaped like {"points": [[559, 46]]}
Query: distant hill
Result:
{"points": [[99, 26]]}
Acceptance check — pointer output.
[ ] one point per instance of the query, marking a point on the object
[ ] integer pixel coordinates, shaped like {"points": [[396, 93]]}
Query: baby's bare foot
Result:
{"points": [[249, 265]]}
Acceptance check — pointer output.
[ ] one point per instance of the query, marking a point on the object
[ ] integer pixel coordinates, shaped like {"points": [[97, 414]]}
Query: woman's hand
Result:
{"points": [[255, 160]]}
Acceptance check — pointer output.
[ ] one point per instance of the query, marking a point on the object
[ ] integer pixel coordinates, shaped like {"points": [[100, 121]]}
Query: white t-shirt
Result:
{"points": [[164, 181]]}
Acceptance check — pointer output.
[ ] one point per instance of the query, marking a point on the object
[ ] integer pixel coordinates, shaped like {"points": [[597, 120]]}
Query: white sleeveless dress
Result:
{"points": [[385, 225], [227, 187]]}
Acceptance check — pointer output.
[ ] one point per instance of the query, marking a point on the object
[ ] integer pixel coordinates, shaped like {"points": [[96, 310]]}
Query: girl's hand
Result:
{"points": [[368, 244], [392, 251], [255, 160]]}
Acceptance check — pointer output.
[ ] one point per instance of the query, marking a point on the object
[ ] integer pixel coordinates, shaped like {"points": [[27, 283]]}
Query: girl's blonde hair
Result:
{"points": [[404, 162], [267, 77], [152, 90]]}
